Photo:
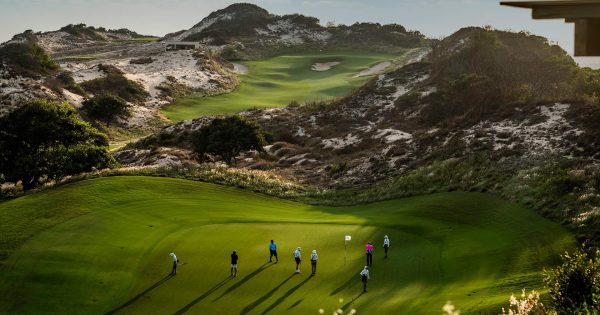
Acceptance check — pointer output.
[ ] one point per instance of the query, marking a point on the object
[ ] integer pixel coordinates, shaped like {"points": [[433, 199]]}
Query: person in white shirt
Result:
{"points": [[386, 245], [364, 276], [313, 261], [175, 262], [297, 259]]}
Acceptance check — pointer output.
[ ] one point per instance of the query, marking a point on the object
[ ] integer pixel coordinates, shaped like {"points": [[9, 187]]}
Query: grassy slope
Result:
{"points": [[276, 82], [469, 248]]}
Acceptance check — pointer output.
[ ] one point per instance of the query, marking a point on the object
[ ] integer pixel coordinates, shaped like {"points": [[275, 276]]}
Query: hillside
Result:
{"points": [[246, 31], [79, 61], [496, 106]]}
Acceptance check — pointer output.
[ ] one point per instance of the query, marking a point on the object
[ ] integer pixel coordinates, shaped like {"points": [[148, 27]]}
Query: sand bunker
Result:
{"points": [[374, 69], [240, 68], [324, 66]]}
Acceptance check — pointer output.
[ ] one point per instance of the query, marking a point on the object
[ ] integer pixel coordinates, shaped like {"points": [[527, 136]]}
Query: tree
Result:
{"points": [[228, 137], [46, 139], [106, 108], [574, 286]]}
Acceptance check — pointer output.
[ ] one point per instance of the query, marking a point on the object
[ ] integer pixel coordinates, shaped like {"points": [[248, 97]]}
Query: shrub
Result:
{"points": [[115, 83], [528, 304], [574, 286], [45, 139], [106, 108], [28, 58], [228, 137]]}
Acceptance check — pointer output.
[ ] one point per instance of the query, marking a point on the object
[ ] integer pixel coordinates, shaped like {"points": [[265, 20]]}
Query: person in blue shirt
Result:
{"points": [[273, 251]]}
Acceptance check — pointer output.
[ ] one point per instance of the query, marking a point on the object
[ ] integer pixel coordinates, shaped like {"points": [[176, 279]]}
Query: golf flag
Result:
{"points": [[348, 237]]}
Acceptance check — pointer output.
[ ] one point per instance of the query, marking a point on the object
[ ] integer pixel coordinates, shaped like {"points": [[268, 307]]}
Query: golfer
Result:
{"points": [[369, 250], [313, 261], [273, 251], [297, 259], [386, 245], [175, 262], [364, 276], [234, 260]]}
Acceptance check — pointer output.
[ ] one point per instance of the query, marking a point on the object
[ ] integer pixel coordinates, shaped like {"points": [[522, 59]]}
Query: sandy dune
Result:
{"points": [[324, 66]]}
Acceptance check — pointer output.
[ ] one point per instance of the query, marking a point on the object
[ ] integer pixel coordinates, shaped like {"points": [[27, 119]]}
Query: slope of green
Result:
{"points": [[277, 81], [102, 245]]}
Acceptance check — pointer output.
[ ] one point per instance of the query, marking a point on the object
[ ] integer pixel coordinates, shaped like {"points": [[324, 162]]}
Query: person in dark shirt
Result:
{"points": [[234, 261]]}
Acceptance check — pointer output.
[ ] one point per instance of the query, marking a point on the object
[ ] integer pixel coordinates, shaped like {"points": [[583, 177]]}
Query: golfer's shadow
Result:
{"points": [[351, 302], [137, 297], [265, 297], [285, 296], [244, 280], [203, 296], [352, 280]]}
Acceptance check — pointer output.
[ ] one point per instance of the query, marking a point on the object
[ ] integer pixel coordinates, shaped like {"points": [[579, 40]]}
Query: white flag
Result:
{"points": [[348, 237]]}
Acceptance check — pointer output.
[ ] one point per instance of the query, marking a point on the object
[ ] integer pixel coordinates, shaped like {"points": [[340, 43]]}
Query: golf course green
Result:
{"points": [[102, 246], [275, 82]]}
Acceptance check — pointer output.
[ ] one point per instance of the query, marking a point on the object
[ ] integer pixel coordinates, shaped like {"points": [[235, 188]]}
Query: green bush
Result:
{"points": [[228, 137], [106, 108], [115, 83], [575, 285], [28, 58]]}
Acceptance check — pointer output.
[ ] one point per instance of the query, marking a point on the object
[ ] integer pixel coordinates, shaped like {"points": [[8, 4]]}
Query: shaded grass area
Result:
{"points": [[102, 245], [277, 81]]}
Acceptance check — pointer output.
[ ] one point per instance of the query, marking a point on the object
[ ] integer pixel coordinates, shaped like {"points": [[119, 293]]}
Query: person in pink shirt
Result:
{"points": [[369, 250]]}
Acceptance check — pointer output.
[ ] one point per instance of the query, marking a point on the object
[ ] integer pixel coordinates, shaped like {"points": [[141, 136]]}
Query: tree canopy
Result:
{"points": [[46, 139], [106, 107], [228, 137]]}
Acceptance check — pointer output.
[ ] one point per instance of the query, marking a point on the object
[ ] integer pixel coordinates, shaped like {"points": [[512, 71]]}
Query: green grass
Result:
{"points": [[101, 245], [277, 81]]}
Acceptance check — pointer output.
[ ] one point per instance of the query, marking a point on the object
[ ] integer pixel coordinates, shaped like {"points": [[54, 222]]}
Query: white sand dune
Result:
{"points": [[324, 66], [374, 69], [240, 68]]}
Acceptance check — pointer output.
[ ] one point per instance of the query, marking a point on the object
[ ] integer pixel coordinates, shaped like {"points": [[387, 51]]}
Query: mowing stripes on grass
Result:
{"points": [[277, 81], [107, 251]]}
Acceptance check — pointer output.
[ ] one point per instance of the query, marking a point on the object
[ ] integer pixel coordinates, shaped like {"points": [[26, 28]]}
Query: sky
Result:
{"points": [[434, 18]]}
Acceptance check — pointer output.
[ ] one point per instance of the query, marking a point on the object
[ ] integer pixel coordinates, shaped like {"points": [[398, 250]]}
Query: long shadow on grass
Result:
{"points": [[263, 298], [346, 284], [351, 302], [244, 280], [137, 297], [202, 297], [285, 296]]}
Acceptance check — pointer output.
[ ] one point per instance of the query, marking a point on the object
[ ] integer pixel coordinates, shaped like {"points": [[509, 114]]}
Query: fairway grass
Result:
{"points": [[277, 81], [102, 246]]}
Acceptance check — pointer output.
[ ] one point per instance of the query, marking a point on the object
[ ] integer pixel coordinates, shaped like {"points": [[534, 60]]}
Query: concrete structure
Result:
{"points": [[585, 14], [181, 45]]}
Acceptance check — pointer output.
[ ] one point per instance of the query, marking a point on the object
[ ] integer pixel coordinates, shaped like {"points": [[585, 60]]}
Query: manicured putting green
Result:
{"points": [[112, 254], [277, 81]]}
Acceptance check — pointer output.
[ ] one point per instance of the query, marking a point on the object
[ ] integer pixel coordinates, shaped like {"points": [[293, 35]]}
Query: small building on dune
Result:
{"points": [[585, 14], [173, 45]]}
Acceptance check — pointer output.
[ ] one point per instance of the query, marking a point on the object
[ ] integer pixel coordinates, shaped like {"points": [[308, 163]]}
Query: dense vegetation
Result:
{"points": [[115, 83], [228, 137], [45, 140], [97, 33], [27, 58], [106, 108]]}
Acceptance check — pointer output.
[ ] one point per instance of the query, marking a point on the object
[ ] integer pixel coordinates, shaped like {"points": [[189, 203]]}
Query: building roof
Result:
{"points": [[559, 9]]}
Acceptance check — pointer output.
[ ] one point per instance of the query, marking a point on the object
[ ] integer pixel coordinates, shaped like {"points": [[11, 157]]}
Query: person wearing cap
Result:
{"points": [[297, 259], [234, 261], [175, 262], [386, 245], [369, 250], [364, 276], [273, 251], [313, 261]]}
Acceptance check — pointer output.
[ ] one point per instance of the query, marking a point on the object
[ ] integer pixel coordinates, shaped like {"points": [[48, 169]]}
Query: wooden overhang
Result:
{"points": [[585, 14]]}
